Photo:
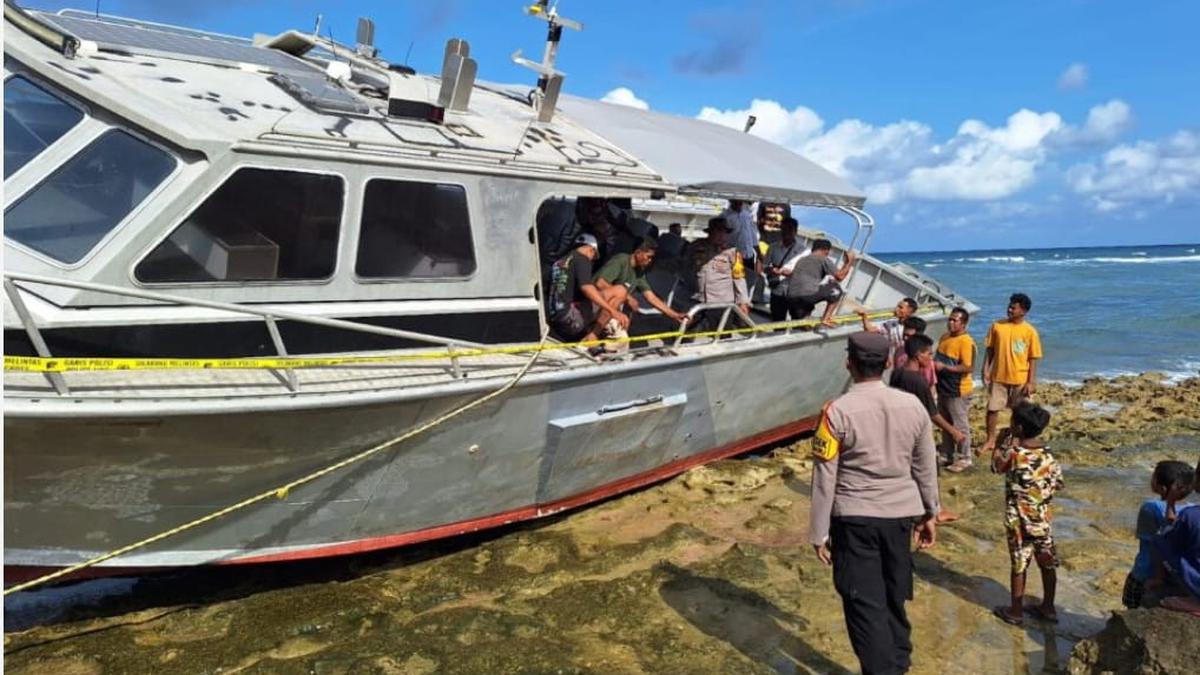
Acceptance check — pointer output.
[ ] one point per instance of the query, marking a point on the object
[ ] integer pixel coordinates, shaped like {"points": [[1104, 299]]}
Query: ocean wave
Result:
{"points": [[1141, 253], [929, 265], [1127, 261], [994, 258]]}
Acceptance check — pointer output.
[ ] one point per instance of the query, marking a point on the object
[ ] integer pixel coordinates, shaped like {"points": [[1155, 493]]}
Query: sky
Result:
{"points": [[968, 124]]}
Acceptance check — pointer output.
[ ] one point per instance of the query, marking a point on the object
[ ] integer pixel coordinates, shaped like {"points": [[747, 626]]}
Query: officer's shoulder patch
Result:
{"points": [[825, 445]]}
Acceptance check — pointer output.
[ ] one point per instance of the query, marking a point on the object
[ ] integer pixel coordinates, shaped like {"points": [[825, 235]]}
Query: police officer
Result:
{"points": [[720, 272], [874, 485]]}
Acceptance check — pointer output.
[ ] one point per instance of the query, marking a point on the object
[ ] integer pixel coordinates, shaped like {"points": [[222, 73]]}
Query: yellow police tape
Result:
{"points": [[37, 364]]}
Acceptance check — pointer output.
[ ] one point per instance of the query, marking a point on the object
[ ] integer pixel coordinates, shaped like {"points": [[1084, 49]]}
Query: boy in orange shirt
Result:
{"points": [[1010, 364]]}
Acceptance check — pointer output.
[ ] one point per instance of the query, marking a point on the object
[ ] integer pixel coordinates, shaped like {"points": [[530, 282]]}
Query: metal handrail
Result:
{"points": [[729, 307], [269, 316]]}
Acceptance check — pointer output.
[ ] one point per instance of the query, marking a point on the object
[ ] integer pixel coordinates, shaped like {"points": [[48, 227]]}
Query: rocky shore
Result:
{"points": [[709, 572]]}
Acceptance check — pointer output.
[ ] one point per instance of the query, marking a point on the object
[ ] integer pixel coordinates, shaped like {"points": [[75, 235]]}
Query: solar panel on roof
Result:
{"points": [[316, 91], [133, 37], [161, 27]]}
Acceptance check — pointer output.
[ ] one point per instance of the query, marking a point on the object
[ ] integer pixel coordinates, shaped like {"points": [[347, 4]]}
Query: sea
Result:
{"points": [[1100, 311]]}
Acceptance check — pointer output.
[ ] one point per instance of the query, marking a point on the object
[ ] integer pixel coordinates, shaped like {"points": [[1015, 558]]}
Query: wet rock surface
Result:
{"points": [[708, 572], [1149, 641]]}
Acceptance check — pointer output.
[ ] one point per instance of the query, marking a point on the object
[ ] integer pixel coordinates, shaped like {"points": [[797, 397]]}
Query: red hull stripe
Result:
{"points": [[17, 573]]}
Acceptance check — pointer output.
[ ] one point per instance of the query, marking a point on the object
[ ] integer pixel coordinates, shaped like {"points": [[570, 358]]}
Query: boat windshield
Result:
{"points": [[88, 196], [33, 119]]}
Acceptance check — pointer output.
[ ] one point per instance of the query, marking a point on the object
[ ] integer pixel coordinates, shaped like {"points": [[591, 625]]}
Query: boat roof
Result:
{"points": [[709, 159], [211, 93]]}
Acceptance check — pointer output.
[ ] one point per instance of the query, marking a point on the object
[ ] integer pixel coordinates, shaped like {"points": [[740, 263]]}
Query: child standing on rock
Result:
{"points": [[1171, 481], [1031, 479]]}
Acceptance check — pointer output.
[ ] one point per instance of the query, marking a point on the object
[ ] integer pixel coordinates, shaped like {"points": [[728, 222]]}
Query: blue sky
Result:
{"points": [[969, 124]]}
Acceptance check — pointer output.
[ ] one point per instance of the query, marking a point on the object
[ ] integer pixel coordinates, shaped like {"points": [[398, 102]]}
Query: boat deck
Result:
{"points": [[194, 383]]}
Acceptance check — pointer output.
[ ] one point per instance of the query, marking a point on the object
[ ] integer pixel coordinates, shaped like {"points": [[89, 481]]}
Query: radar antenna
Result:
{"points": [[550, 80]]}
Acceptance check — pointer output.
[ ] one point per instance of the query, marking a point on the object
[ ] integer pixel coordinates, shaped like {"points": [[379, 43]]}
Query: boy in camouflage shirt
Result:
{"points": [[1031, 479]]}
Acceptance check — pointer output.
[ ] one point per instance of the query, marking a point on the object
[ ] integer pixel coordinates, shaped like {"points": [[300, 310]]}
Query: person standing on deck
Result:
{"points": [[745, 237], [719, 272], [777, 255], [874, 486], [1009, 363]]}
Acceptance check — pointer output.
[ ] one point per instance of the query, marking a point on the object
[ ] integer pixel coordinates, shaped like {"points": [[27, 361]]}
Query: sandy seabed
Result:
{"points": [[710, 572]]}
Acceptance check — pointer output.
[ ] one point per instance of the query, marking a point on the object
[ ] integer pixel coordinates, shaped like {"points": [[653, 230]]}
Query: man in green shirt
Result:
{"points": [[629, 270]]}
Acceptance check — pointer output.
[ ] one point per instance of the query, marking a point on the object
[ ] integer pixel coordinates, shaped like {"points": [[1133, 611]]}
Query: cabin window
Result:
{"points": [[261, 224], [414, 230], [71, 211], [33, 119]]}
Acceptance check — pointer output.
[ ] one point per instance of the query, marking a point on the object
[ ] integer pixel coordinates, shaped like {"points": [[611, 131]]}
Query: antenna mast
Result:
{"points": [[550, 80]]}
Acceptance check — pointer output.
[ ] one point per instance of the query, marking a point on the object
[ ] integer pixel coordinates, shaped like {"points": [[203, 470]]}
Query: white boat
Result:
{"points": [[175, 194]]}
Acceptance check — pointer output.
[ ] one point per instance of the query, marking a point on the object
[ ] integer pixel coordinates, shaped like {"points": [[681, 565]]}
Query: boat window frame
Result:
{"points": [[120, 225], [255, 283], [471, 210], [16, 69]]}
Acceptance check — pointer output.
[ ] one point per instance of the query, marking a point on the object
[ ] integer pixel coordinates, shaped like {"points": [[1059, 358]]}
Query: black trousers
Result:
{"points": [[872, 571], [783, 307]]}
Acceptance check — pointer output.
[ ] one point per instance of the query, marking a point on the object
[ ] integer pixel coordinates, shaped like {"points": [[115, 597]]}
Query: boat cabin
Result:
{"points": [[185, 167]]}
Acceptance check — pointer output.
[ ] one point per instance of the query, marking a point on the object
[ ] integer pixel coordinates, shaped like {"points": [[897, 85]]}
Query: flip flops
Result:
{"points": [[1002, 614], [1040, 614]]}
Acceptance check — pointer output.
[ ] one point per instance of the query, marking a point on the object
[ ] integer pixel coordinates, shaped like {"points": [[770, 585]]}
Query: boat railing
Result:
{"points": [[270, 317], [728, 309]]}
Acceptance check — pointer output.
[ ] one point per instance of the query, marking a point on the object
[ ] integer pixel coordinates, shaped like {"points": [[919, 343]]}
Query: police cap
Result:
{"points": [[865, 346]]}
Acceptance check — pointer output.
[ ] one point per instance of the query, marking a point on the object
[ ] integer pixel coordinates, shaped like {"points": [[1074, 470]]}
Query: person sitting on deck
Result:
{"points": [[814, 279], [719, 272], [628, 270], [892, 328], [572, 297]]}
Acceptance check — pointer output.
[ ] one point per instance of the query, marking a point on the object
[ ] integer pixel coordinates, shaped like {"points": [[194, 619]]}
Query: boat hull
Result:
{"points": [[80, 486]]}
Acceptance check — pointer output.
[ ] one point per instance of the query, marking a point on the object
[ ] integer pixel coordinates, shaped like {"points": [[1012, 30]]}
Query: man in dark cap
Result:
{"points": [[874, 486]]}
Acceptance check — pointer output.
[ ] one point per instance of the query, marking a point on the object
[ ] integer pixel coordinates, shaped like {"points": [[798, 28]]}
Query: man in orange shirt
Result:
{"points": [[1010, 364]]}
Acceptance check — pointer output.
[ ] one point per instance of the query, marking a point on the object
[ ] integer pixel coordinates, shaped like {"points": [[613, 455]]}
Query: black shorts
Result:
{"points": [[574, 322], [802, 305]]}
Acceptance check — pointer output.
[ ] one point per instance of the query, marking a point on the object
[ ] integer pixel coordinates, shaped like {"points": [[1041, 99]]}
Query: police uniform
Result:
{"points": [[720, 278], [874, 477]]}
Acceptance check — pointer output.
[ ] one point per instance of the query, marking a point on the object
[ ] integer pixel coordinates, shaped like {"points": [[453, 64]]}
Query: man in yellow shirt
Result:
{"points": [[1010, 364], [954, 362]]}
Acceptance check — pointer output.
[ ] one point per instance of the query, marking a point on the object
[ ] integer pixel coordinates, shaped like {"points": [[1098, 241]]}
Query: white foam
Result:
{"points": [[994, 258], [930, 265], [1138, 253], [1125, 261]]}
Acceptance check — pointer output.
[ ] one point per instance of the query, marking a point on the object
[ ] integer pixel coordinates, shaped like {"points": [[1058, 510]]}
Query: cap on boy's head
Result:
{"points": [[1031, 418], [586, 239], [866, 347], [719, 223]]}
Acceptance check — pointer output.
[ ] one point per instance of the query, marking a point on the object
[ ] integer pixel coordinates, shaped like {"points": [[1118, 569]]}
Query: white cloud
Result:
{"points": [[902, 160], [625, 96], [772, 121], [1104, 124], [1074, 77], [1161, 171]]}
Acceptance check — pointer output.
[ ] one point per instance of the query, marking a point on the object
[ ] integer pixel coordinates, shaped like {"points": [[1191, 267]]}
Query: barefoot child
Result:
{"points": [[1031, 478], [1171, 481]]}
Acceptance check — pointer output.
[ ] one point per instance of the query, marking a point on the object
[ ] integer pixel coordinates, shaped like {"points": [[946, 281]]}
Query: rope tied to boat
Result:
{"points": [[282, 491], [38, 364]]}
